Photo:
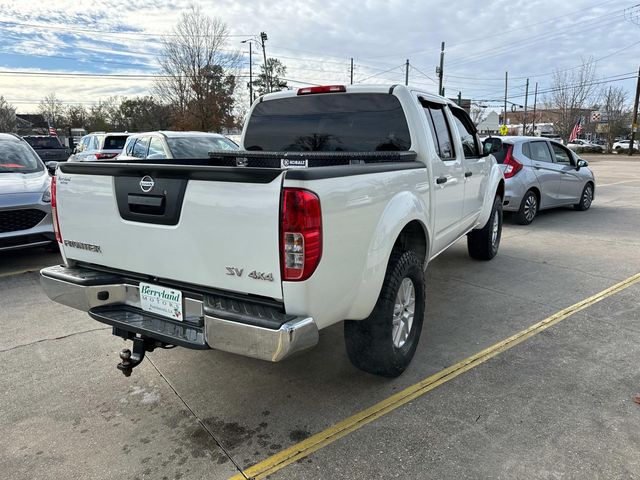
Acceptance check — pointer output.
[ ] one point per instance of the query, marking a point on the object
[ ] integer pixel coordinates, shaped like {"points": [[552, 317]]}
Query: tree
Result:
{"points": [[615, 113], [7, 116], [571, 92], [198, 76], [51, 109], [478, 114], [75, 116], [277, 70], [144, 114]]}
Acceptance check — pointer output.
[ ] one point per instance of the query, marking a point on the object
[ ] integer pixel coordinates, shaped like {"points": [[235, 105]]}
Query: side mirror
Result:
{"points": [[487, 149], [581, 163], [51, 167]]}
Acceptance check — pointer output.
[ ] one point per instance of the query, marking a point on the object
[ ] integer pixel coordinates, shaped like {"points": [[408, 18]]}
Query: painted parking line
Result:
{"points": [[19, 272], [360, 419]]}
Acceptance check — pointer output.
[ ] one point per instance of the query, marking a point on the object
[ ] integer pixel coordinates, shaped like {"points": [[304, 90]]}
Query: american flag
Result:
{"points": [[52, 132], [576, 131]]}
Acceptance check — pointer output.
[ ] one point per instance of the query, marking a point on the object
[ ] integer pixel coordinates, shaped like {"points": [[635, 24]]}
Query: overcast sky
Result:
{"points": [[316, 39]]}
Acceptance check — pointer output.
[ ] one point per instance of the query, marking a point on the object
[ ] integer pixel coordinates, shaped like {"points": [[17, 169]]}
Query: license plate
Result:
{"points": [[161, 300]]}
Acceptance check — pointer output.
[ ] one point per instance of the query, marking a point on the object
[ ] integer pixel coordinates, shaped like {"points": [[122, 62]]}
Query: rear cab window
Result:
{"points": [[331, 122]]}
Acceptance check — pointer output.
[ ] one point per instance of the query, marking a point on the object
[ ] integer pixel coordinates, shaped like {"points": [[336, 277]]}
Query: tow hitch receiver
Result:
{"points": [[132, 360]]}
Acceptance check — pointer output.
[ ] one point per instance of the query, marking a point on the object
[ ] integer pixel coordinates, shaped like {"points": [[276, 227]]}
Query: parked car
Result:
{"points": [[622, 146], [169, 145], [25, 196], [540, 174], [99, 146], [49, 149], [341, 198], [583, 146]]}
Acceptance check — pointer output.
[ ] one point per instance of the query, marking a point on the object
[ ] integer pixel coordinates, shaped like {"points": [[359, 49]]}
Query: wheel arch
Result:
{"points": [[404, 223]]}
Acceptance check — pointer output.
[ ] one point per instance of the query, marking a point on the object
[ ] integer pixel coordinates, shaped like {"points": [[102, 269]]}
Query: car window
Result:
{"points": [[538, 151], [561, 154], [43, 142], [440, 129], [114, 142], [156, 147], [198, 147], [140, 147], [95, 143], [498, 148], [128, 147], [349, 122], [467, 133], [16, 156]]}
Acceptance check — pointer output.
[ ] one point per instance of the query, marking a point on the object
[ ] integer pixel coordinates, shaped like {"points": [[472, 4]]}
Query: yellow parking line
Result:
{"points": [[339, 430]]}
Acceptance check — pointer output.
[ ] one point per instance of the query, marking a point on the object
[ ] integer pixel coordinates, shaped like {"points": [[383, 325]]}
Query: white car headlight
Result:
{"points": [[46, 196]]}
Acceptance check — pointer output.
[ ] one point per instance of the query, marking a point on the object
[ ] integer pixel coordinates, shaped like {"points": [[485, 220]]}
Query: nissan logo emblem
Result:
{"points": [[146, 183]]}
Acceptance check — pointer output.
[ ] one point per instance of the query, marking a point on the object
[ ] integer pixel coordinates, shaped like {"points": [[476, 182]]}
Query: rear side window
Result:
{"points": [[140, 147], [467, 133], [440, 130], [128, 150], [538, 151], [331, 122], [113, 142]]}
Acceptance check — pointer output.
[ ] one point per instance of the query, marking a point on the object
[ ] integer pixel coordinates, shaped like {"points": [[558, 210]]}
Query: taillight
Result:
{"points": [[322, 89], [300, 234], [105, 156], [54, 210], [512, 165]]}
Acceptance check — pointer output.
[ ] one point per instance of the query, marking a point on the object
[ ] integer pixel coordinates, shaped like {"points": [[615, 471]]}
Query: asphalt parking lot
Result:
{"points": [[557, 405]]}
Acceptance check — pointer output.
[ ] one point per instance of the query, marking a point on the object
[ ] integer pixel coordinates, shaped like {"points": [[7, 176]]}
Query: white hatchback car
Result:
{"points": [[175, 145]]}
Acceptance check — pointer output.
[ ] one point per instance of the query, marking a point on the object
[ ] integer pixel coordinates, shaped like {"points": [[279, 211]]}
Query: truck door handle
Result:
{"points": [[441, 180], [468, 174]]}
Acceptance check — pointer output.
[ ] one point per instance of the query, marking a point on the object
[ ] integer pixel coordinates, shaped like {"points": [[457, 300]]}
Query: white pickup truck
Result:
{"points": [[331, 213]]}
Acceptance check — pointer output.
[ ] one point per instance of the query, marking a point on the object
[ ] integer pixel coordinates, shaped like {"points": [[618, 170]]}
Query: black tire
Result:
{"points": [[370, 343], [586, 198], [528, 208], [483, 244]]}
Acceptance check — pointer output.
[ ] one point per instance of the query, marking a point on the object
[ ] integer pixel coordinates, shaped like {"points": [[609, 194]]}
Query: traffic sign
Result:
{"points": [[504, 130]]}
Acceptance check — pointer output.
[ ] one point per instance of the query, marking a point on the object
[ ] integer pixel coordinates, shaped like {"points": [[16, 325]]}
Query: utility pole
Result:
{"points": [[535, 102], [506, 80], [351, 71], [267, 77], [524, 118], [406, 73], [460, 99], [440, 70], [634, 119], [250, 41]]}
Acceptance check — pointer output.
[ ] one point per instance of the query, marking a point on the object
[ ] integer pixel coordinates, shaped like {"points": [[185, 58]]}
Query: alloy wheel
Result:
{"points": [[403, 312]]}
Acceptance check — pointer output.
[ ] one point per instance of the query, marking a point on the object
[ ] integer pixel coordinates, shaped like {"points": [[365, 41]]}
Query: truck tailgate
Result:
{"points": [[215, 227]]}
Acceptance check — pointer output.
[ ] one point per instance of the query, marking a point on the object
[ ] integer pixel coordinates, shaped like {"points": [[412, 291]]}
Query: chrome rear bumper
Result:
{"points": [[86, 290]]}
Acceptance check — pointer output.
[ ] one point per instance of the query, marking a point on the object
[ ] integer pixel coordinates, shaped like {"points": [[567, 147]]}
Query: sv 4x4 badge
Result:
{"points": [[237, 272]]}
